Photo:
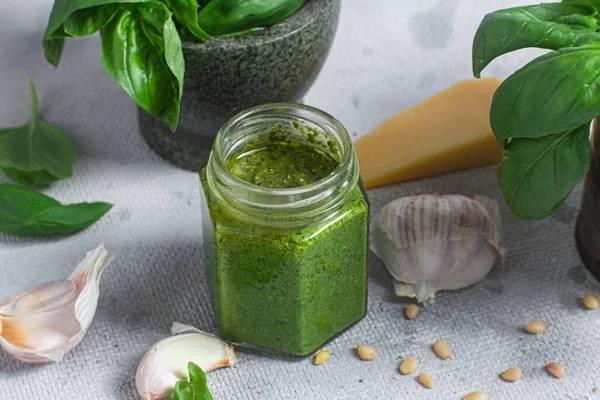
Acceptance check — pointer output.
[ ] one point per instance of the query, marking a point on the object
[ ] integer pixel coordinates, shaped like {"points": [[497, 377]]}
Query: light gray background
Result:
{"points": [[387, 56]]}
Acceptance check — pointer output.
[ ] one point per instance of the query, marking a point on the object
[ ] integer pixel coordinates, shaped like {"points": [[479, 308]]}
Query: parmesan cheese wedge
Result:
{"points": [[448, 132]]}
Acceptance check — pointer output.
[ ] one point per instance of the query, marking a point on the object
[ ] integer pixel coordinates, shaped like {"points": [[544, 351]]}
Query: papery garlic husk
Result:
{"points": [[431, 243], [43, 324], [166, 362]]}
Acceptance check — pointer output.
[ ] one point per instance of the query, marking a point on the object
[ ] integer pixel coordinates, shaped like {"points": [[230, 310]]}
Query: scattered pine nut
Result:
{"points": [[442, 349], [535, 327], [555, 369], [411, 311], [366, 353], [476, 396], [409, 365], [512, 374], [590, 302], [426, 380], [322, 356]]}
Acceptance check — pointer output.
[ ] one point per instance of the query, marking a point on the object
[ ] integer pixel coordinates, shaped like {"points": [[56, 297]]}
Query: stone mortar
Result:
{"points": [[224, 76]]}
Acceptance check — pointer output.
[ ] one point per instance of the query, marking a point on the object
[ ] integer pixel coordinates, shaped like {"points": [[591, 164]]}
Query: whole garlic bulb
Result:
{"points": [[431, 243]]}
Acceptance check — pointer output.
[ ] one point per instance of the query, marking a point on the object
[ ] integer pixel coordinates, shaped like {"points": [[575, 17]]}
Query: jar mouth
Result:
{"points": [[237, 132]]}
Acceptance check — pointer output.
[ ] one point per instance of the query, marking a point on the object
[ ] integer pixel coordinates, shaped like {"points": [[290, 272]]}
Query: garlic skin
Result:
{"points": [[166, 362], [43, 324], [431, 243]]}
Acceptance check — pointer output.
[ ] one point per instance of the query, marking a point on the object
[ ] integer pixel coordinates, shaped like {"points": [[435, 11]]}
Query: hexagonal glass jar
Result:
{"points": [[287, 267]]}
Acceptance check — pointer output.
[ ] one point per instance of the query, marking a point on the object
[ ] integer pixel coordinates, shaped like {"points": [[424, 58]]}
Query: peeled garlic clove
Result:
{"points": [[166, 362], [44, 323], [431, 243]]}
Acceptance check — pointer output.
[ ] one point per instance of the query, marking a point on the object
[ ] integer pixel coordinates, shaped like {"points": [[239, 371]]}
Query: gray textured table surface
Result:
{"points": [[387, 56]]}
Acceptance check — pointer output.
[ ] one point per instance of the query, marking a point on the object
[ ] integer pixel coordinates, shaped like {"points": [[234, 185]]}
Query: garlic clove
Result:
{"points": [[44, 323], [166, 362], [431, 243]]}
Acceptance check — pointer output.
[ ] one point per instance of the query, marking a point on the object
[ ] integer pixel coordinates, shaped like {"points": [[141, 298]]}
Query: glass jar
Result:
{"points": [[287, 266]]}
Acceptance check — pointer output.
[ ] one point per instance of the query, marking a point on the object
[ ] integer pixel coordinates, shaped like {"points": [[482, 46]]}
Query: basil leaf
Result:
{"points": [[186, 13], [225, 17], [553, 93], [196, 388], [61, 11], [546, 26], [141, 50], [36, 153], [27, 213], [53, 49], [89, 20], [536, 175], [585, 2]]}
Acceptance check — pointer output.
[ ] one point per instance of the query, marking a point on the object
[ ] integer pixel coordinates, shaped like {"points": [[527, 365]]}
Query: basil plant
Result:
{"points": [[141, 41], [541, 114]]}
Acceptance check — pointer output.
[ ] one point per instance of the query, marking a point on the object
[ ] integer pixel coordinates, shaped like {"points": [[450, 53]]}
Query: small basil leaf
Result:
{"points": [[196, 388], [553, 93], [181, 390], [36, 153], [186, 13], [141, 50], [89, 20], [547, 26], [226, 17], [53, 50], [27, 213], [536, 175]]}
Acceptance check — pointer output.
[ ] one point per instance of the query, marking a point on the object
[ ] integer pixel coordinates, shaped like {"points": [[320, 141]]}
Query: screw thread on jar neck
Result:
{"points": [[301, 202]]}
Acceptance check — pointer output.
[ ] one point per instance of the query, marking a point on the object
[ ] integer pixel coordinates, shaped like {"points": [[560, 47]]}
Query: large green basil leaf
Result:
{"points": [[225, 17], [141, 50], [84, 21], [536, 175], [36, 153], [585, 2], [556, 92], [27, 213], [186, 13], [547, 26]]}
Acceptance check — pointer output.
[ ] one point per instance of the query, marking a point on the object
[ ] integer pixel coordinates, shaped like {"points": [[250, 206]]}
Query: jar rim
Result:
{"points": [[218, 158]]}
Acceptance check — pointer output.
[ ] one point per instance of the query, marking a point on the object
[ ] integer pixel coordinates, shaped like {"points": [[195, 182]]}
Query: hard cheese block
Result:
{"points": [[448, 132]]}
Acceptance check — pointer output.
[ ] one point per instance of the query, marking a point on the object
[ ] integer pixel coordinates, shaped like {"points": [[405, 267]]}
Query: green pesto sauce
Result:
{"points": [[282, 165], [286, 288]]}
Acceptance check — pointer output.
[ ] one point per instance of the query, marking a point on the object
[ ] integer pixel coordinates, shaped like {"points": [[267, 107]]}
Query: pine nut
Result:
{"points": [[535, 327], [366, 353], [555, 369], [512, 374], [322, 356], [442, 349], [409, 365], [476, 396], [590, 302], [426, 380], [411, 311]]}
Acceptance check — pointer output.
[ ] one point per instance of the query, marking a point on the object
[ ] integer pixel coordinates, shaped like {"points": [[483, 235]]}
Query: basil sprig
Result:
{"points": [[194, 389], [27, 213], [541, 114], [141, 44], [36, 153]]}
